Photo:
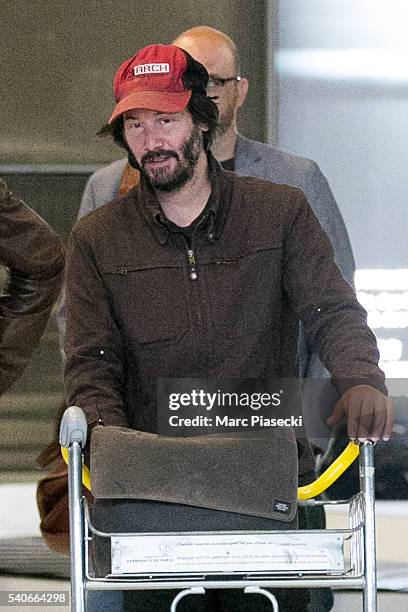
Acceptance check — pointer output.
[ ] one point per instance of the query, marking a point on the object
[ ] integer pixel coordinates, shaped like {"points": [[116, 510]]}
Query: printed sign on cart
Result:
{"points": [[226, 553]]}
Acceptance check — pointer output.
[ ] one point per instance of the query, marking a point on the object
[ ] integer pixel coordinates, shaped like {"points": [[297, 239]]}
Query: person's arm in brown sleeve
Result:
{"points": [[336, 325], [94, 369], [32, 252]]}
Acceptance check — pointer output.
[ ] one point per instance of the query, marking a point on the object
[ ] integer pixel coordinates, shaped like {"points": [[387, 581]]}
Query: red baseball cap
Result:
{"points": [[160, 78]]}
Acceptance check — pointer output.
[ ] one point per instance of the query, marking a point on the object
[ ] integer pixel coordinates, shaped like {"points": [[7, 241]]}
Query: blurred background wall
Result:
{"points": [[342, 75], [58, 59]]}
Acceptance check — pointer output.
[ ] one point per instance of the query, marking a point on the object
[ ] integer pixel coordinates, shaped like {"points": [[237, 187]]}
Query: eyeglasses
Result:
{"points": [[214, 82]]}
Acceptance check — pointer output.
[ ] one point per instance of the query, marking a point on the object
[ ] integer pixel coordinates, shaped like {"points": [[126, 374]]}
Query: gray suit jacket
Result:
{"points": [[252, 159]]}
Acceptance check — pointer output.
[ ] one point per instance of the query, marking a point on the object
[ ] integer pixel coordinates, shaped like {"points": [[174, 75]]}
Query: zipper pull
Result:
{"points": [[191, 259], [192, 262]]}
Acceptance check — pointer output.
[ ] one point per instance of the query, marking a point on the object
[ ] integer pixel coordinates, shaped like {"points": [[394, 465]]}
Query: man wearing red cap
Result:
{"points": [[199, 273], [220, 56]]}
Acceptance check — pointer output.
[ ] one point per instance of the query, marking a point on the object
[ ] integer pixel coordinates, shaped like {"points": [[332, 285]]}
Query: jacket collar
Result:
{"points": [[217, 206]]}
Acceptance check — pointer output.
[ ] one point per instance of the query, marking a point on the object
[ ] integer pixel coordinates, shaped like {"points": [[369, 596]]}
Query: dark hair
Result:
{"points": [[202, 110]]}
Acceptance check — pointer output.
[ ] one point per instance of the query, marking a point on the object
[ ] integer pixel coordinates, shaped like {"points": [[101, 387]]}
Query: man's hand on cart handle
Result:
{"points": [[369, 413]]}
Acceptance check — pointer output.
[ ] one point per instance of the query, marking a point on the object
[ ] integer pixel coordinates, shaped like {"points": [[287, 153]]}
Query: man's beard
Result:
{"points": [[225, 120], [164, 179], [227, 116]]}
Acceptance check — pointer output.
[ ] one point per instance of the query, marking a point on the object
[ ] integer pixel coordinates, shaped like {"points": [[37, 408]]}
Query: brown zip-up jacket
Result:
{"points": [[144, 302], [32, 252]]}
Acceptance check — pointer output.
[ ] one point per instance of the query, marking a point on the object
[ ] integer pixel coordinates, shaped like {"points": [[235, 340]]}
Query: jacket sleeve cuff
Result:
{"points": [[102, 413], [344, 384]]}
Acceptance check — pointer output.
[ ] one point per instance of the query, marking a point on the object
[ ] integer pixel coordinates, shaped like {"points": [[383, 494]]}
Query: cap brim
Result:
{"points": [[162, 101]]}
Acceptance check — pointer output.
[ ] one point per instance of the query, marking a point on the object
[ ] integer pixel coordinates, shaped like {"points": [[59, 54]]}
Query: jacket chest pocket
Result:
{"points": [[249, 292], [147, 304]]}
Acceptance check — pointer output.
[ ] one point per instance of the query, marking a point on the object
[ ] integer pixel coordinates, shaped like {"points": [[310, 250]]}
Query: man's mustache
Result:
{"points": [[158, 155]]}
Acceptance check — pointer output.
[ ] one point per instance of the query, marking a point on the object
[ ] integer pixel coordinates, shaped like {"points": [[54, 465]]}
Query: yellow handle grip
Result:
{"points": [[86, 477], [333, 472]]}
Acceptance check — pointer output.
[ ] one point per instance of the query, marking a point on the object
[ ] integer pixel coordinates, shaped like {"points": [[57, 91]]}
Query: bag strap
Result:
{"points": [[130, 179]]}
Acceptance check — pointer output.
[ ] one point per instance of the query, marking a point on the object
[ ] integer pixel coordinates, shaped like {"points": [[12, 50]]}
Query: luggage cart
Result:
{"points": [[343, 558]]}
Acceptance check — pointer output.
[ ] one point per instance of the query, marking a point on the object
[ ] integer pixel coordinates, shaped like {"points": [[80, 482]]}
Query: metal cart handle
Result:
{"points": [[74, 429]]}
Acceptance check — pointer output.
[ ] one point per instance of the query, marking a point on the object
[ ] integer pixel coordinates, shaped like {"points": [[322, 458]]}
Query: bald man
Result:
{"points": [[218, 53]]}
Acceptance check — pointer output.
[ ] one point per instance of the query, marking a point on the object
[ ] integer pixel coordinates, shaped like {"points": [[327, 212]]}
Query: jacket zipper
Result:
{"points": [[193, 264], [190, 254], [197, 304]]}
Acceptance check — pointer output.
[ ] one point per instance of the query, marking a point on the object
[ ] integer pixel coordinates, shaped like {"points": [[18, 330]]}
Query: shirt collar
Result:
{"points": [[217, 205]]}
